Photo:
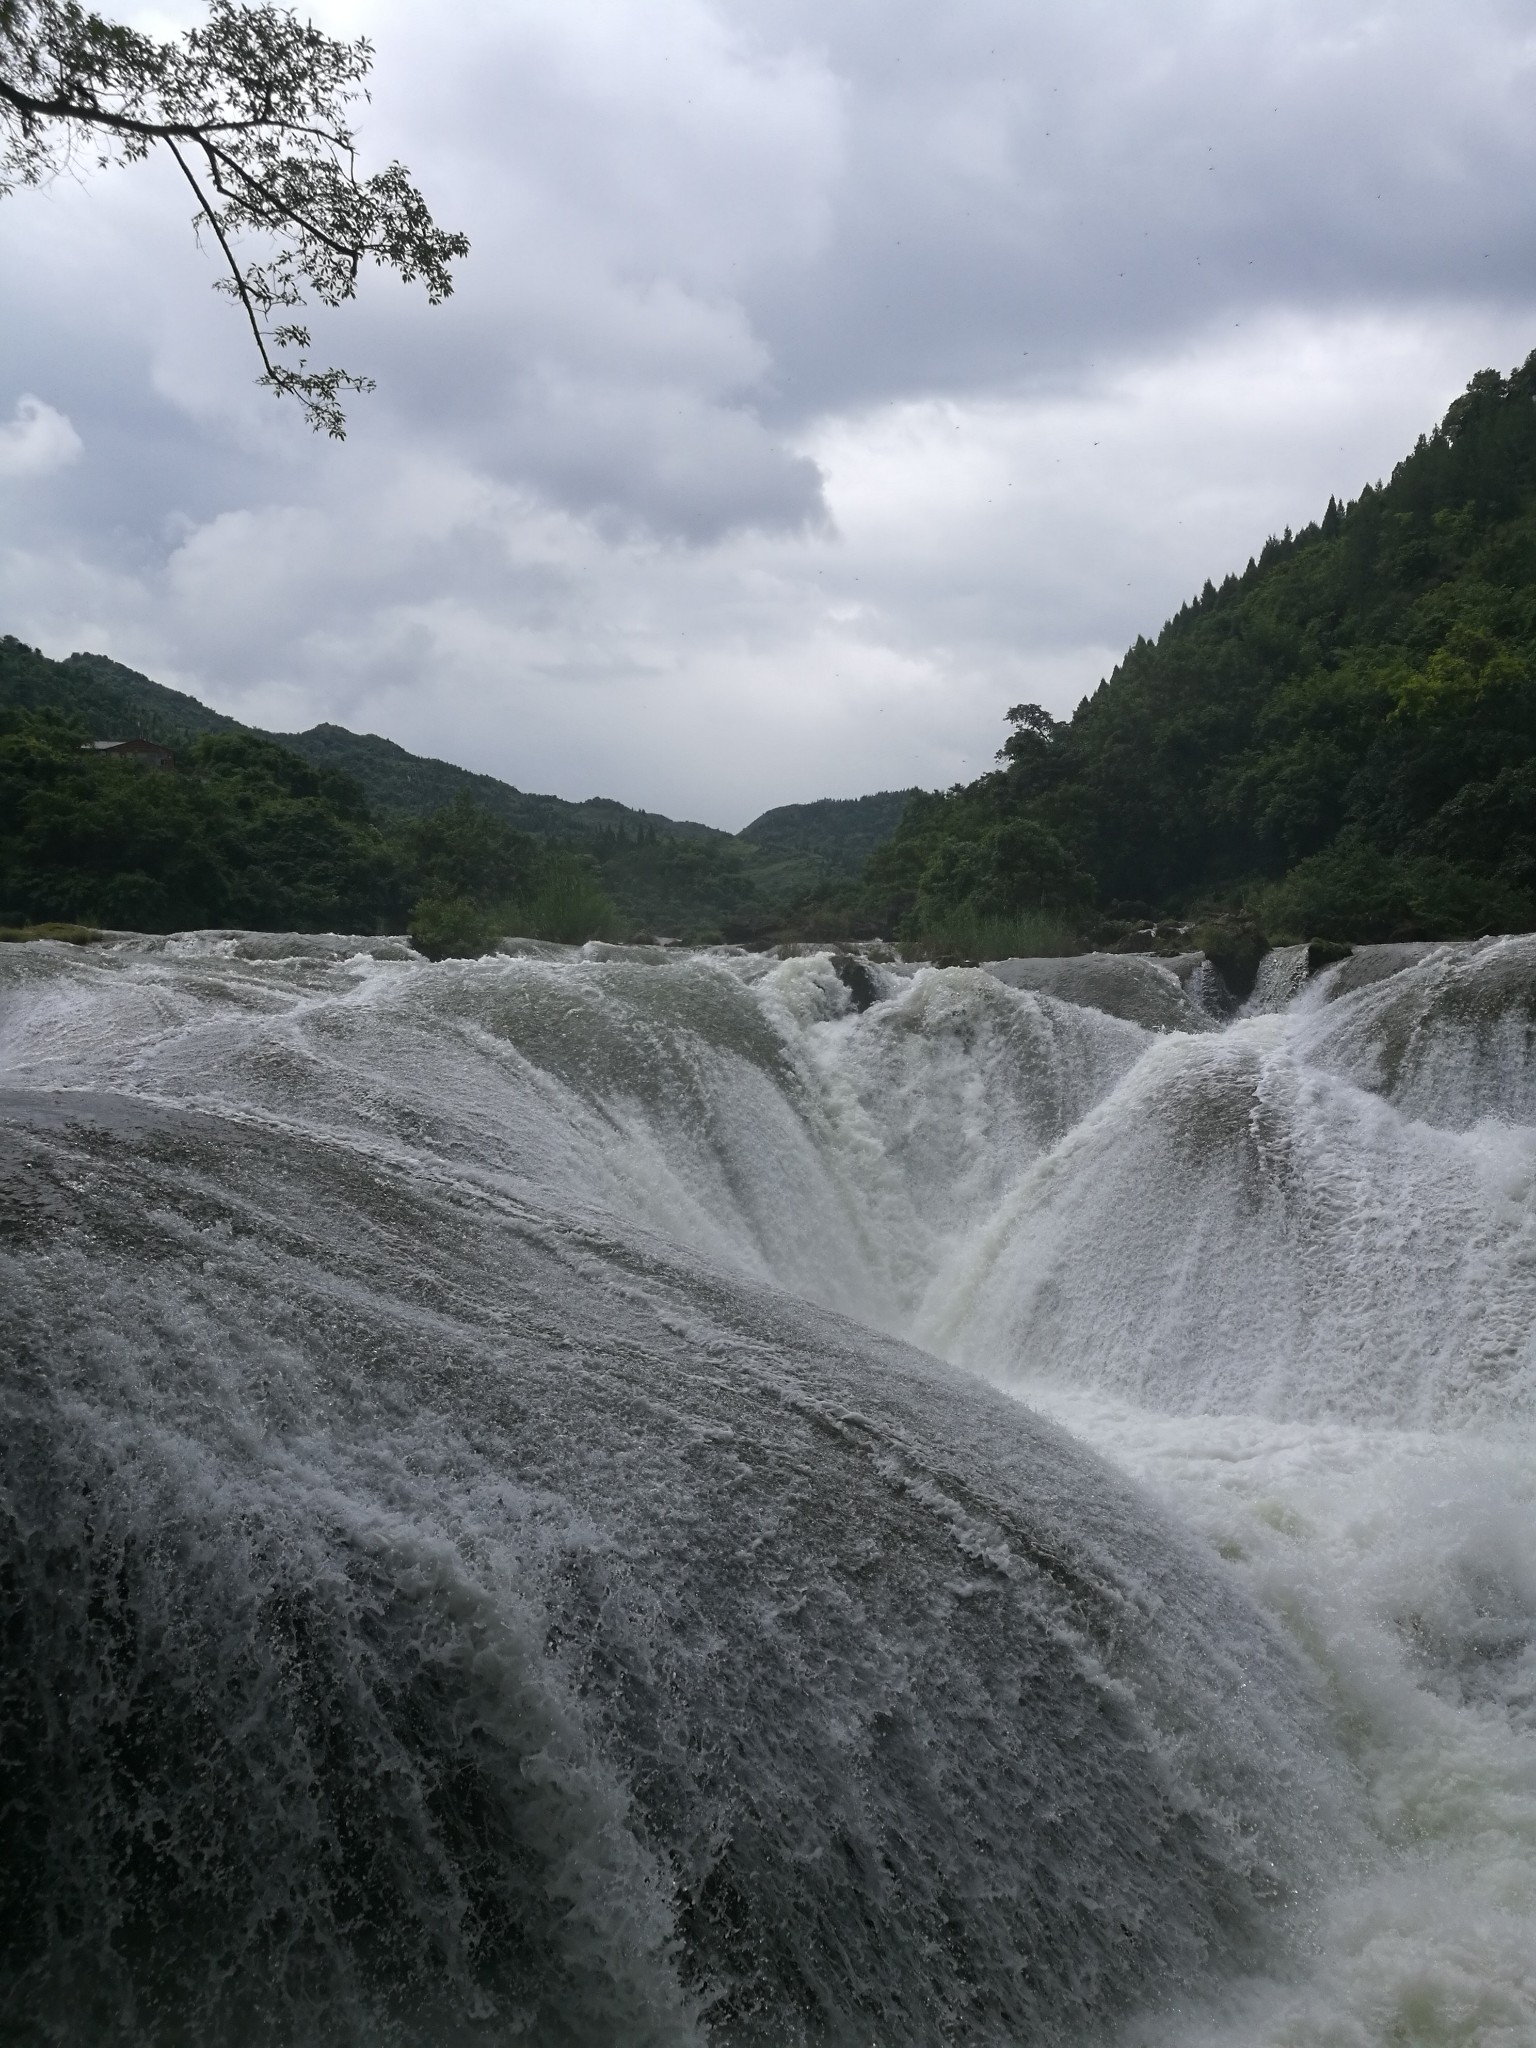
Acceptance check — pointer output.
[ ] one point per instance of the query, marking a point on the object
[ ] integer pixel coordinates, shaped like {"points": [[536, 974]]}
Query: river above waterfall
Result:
{"points": [[624, 1495]]}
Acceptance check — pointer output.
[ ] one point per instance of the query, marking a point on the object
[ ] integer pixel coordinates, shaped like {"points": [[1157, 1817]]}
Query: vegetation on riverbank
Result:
{"points": [[66, 934]]}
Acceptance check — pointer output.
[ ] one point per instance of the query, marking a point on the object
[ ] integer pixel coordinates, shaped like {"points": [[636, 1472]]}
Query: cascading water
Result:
{"points": [[506, 1532]]}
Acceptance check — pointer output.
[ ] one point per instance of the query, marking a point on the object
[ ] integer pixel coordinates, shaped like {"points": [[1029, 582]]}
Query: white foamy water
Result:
{"points": [[521, 1346]]}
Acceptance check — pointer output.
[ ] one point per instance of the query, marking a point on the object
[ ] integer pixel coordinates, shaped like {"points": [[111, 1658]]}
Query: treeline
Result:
{"points": [[1339, 742], [241, 832], [245, 832], [652, 874]]}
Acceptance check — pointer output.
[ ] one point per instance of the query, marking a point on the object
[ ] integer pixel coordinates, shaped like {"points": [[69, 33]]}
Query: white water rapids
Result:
{"points": [[525, 1512]]}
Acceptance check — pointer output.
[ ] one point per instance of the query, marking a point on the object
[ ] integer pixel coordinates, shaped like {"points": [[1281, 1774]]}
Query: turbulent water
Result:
{"points": [[634, 1497]]}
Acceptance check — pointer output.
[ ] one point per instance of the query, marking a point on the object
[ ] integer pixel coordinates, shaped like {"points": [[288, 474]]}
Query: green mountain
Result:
{"points": [[1339, 742], [840, 832], [116, 702], [409, 785], [195, 863], [113, 701], [240, 833]]}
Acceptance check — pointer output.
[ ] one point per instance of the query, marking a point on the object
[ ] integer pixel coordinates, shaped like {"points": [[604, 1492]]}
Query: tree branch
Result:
{"points": [[252, 107], [235, 271], [90, 114]]}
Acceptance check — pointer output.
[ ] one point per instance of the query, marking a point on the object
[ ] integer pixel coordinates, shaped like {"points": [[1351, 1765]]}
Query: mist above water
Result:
{"points": [[529, 1513]]}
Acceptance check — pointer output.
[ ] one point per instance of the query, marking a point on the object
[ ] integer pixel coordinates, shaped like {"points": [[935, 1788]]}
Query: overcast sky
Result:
{"points": [[822, 380]]}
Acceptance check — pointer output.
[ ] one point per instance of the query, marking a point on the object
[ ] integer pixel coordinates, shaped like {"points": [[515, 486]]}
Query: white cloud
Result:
{"points": [[36, 440]]}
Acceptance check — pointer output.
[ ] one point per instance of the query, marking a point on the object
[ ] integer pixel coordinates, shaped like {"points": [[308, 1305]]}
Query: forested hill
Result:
{"points": [[348, 829], [1341, 740], [118, 702], [843, 831], [114, 701]]}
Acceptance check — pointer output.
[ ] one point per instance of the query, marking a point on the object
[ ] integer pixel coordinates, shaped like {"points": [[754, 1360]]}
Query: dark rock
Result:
{"points": [[857, 979], [1163, 941], [1234, 946], [1322, 953]]}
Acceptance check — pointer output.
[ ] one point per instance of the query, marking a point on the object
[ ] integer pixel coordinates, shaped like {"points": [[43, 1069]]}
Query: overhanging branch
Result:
{"points": [[238, 276], [252, 107]]}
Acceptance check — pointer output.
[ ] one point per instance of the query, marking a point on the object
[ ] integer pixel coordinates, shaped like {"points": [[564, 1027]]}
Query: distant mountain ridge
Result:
{"points": [[396, 780], [668, 873], [107, 694]]}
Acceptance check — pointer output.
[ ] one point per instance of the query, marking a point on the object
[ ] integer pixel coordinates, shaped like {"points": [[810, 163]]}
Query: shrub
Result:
{"points": [[568, 903], [70, 934], [1354, 892], [966, 934], [453, 928]]}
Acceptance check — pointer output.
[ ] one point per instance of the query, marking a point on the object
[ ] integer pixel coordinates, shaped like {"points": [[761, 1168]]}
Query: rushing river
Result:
{"points": [[624, 1497]]}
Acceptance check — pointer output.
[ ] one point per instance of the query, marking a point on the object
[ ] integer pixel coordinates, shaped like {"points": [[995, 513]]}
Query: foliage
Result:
{"points": [[240, 834], [1014, 865], [453, 928], [629, 871], [110, 701], [66, 934], [464, 852], [253, 109], [684, 888], [1342, 740], [567, 901], [839, 832], [481, 880], [1354, 891], [964, 933], [960, 860], [1234, 945]]}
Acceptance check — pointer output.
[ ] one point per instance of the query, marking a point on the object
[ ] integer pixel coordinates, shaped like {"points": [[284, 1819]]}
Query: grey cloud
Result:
{"points": [[619, 181], [662, 460], [1030, 191], [822, 379], [910, 199], [637, 405], [751, 216]]}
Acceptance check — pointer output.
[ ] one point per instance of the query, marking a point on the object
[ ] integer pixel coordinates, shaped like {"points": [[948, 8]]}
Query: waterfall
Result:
{"points": [[612, 1495]]}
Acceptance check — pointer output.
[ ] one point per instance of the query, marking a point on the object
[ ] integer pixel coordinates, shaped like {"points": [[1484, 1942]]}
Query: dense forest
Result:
{"points": [[1340, 742], [329, 829], [241, 832]]}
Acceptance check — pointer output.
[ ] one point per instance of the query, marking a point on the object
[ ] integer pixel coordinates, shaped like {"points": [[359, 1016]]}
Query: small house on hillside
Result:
{"points": [[150, 752]]}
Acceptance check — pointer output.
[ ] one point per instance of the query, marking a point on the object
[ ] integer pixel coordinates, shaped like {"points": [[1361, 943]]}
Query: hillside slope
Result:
{"points": [[1341, 741], [663, 875], [409, 785], [841, 832], [115, 701]]}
